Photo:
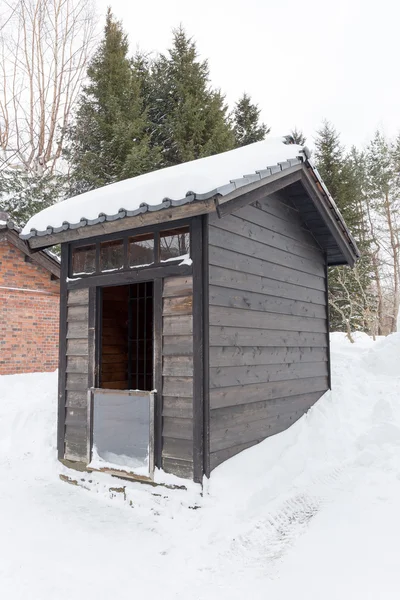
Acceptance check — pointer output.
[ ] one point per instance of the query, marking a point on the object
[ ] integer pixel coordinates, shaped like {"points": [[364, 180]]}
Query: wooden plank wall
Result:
{"points": [[114, 338], [177, 368], [77, 375], [268, 351]]}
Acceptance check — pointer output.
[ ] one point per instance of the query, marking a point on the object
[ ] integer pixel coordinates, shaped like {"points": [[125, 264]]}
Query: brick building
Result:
{"points": [[29, 305]]}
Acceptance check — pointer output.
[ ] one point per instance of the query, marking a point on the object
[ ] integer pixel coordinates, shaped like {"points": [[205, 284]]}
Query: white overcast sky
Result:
{"points": [[300, 61]]}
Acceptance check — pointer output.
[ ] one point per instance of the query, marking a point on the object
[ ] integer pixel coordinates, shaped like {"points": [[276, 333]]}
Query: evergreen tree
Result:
{"points": [[298, 137], [189, 118], [246, 122], [109, 140], [351, 299], [329, 156], [22, 194]]}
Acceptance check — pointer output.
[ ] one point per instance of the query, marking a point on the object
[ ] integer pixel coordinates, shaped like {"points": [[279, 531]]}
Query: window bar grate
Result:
{"points": [[140, 373]]}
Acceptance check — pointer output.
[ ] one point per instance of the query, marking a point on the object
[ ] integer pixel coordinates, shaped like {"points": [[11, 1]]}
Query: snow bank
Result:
{"points": [[28, 418], [362, 410], [314, 508], [200, 176]]}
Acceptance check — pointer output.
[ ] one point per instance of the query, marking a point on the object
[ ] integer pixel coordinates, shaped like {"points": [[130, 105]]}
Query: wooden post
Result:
{"points": [[157, 369], [198, 355], [62, 361]]}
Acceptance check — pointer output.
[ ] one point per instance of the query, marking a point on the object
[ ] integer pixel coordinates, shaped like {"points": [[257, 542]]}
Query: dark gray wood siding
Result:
{"points": [[77, 381], [268, 350], [177, 393]]}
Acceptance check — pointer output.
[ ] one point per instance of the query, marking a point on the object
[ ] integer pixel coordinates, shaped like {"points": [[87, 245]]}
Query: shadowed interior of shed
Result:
{"points": [[126, 352]]}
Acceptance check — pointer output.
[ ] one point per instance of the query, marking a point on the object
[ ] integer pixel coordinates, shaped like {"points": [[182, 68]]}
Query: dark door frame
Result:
{"points": [[95, 329]]}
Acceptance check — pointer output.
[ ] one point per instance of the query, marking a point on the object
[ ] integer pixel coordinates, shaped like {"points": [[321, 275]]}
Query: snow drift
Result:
{"points": [[314, 508]]}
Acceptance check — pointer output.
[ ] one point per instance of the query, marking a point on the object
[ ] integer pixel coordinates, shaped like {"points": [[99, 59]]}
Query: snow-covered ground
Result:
{"points": [[311, 513]]}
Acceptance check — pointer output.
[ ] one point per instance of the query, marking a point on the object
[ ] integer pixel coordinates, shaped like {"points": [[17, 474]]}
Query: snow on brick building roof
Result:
{"points": [[219, 174]]}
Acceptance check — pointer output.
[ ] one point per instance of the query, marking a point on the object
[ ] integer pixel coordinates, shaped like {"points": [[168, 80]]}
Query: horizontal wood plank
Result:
{"points": [[279, 206], [222, 257], [235, 279], [180, 325], [231, 336], [77, 364], [76, 416], [176, 448], [180, 387], [178, 366], [252, 247], [241, 317], [178, 345], [80, 297], [76, 382], [177, 407], [233, 356], [77, 313], [230, 298], [243, 394], [178, 286], [77, 347], [77, 330], [180, 468], [222, 418], [76, 399], [181, 305], [221, 377], [253, 431], [293, 229], [178, 428]]}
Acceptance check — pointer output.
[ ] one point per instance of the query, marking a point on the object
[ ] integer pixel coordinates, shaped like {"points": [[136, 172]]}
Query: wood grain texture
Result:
{"points": [[242, 317], [80, 297], [235, 279], [222, 296], [257, 266], [237, 356], [254, 392], [178, 366], [221, 377], [242, 244], [223, 418], [77, 347], [181, 468], [77, 367], [181, 305], [177, 376], [268, 351], [243, 336]]}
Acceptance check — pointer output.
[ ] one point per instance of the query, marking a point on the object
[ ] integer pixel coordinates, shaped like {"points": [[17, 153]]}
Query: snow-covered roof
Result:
{"points": [[173, 186]]}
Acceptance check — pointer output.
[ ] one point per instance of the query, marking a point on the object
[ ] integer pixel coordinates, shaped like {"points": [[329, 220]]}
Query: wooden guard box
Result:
{"points": [[235, 340]]}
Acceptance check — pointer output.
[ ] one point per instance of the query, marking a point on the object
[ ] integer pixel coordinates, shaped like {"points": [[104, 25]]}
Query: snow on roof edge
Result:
{"points": [[171, 186]]}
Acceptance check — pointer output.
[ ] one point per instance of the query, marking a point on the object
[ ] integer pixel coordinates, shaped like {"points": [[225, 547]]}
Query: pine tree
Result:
{"points": [[351, 299], [22, 194], [298, 137], [109, 140], [246, 122], [189, 118], [329, 156]]}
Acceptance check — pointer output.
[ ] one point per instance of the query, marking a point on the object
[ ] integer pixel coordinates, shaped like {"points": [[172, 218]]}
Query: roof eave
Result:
{"points": [[330, 213], [86, 231], [43, 259]]}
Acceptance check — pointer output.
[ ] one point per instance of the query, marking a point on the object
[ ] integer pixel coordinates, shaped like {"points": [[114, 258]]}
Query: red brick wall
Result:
{"points": [[29, 315]]}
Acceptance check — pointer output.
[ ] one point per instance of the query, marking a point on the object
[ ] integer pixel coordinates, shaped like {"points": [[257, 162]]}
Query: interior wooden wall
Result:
{"points": [[114, 338]]}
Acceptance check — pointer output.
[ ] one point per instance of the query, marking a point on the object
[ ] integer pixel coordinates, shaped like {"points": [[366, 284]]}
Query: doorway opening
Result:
{"points": [[126, 348]]}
